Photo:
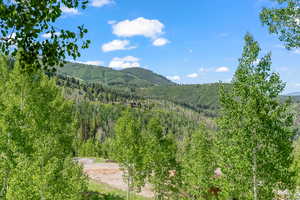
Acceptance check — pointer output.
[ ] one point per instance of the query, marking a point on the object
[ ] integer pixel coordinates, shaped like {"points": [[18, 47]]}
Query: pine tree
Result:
{"points": [[256, 132]]}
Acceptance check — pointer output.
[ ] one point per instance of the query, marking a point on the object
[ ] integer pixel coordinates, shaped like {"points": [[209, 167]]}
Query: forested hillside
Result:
{"points": [[201, 98], [136, 77], [69, 130], [142, 83], [98, 107], [107, 85]]}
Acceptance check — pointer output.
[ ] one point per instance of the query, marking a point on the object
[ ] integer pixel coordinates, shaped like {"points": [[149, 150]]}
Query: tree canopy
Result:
{"points": [[22, 24], [284, 20], [256, 130], [36, 136]]}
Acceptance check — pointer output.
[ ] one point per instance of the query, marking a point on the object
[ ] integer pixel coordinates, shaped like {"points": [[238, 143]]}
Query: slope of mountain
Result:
{"points": [[199, 97], [122, 78], [140, 83], [149, 76], [293, 94]]}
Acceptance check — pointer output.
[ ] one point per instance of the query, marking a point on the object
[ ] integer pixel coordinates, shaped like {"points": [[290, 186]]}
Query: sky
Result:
{"points": [[190, 42]]}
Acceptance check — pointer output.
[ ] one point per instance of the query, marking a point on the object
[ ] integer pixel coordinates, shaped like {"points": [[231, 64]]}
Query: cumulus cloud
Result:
{"points": [[193, 75], [70, 11], [174, 78], [160, 42], [117, 45], [111, 22], [48, 35], [123, 63], [150, 28], [100, 3], [222, 69], [204, 70], [296, 51], [95, 62]]}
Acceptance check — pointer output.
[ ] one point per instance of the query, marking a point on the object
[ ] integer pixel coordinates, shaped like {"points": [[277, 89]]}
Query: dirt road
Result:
{"points": [[108, 173]]}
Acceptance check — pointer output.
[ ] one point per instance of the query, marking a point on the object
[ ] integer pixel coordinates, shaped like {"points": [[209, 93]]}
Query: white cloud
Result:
{"points": [[111, 22], [193, 75], [160, 42], [117, 45], [70, 11], [174, 78], [296, 51], [149, 28], [222, 69], [297, 84], [95, 62], [202, 69], [123, 63], [100, 3], [48, 35]]}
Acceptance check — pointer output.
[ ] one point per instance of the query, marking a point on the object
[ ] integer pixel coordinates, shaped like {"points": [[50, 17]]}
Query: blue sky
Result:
{"points": [[194, 41]]}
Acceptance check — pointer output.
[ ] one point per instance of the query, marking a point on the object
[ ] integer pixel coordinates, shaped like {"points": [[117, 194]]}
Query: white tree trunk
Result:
{"points": [[254, 171]]}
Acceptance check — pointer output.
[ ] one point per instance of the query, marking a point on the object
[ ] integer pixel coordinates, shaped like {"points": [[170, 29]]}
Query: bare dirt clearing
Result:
{"points": [[109, 173]]}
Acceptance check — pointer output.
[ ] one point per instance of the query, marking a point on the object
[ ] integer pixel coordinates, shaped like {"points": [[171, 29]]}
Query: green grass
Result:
{"points": [[100, 191]]}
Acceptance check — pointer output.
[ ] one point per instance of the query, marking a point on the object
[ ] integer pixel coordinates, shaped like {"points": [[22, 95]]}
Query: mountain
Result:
{"points": [[149, 76], [133, 78], [293, 94], [133, 83], [199, 97], [143, 83]]}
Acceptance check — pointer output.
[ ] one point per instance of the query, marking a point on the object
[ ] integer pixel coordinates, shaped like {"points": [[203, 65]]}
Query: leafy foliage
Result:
{"points": [[284, 20], [160, 159], [36, 125], [129, 149], [199, 164], [256, 133], [22, 24]]}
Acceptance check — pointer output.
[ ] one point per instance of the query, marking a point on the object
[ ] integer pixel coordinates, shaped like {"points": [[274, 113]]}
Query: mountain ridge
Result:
{"points": [[133, 77]]}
